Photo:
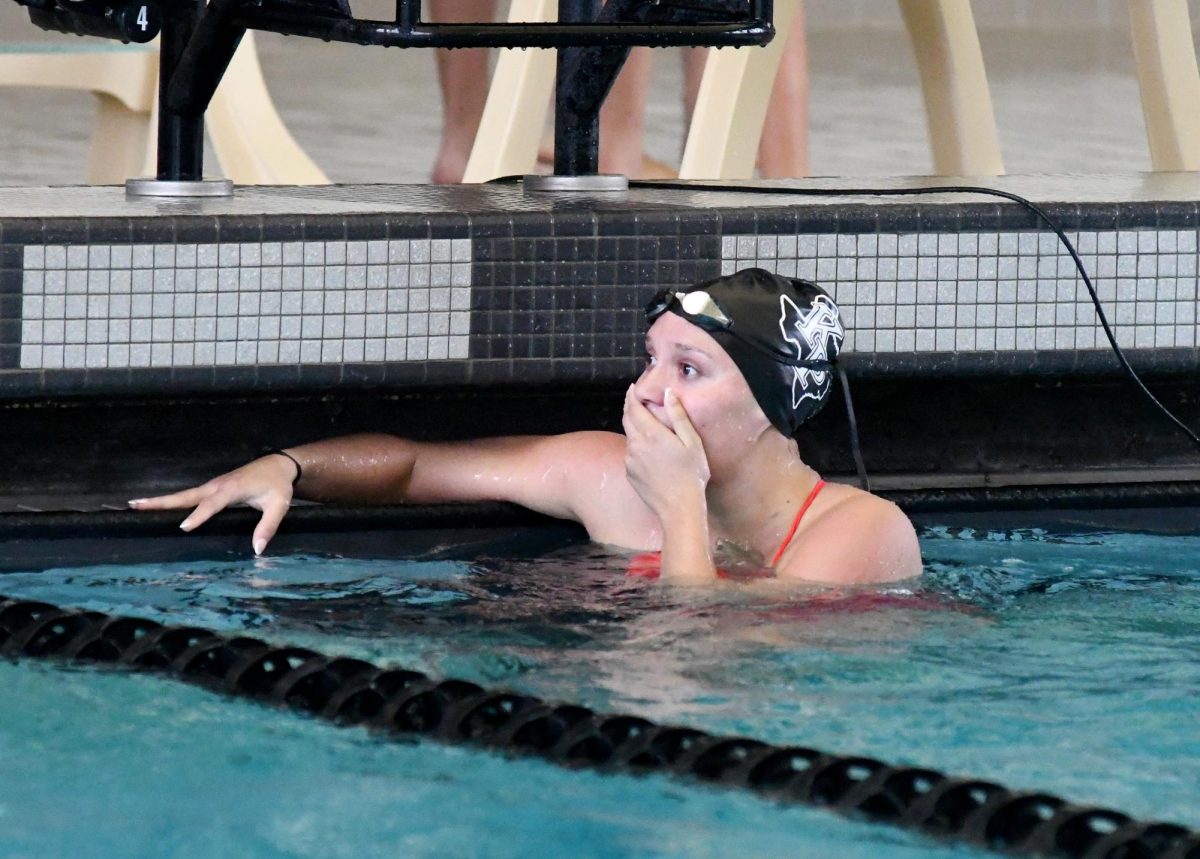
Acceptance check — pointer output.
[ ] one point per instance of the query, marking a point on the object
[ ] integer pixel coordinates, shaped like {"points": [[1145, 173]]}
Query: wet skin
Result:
{"points": [[699, 464]]}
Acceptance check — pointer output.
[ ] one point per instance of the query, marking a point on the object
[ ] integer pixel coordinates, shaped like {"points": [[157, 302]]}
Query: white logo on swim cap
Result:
{"points": [[812, 333]]}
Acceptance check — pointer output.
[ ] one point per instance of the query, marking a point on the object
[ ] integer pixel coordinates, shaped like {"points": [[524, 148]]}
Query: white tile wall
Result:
{"points": [[269, 303], [1007, 291]]}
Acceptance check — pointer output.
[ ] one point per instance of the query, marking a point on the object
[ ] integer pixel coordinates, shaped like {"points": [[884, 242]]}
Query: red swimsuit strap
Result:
{"points": [[812, 496]]}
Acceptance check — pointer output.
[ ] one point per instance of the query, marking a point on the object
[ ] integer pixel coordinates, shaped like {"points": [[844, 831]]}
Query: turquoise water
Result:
{"points": [[1066, 663]]}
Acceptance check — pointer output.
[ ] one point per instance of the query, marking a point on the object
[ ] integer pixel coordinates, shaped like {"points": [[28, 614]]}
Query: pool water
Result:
{"points": [[1068, 663]]}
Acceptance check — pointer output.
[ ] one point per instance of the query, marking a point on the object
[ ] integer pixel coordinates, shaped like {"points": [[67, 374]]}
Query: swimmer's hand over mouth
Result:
{"points": [[666, 464], [264, 484], [668, 468]]}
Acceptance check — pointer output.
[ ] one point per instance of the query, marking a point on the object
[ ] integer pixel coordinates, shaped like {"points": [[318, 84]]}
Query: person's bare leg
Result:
{"points": [[783, 149], [693, 73], [463, 77], [623, 117]]}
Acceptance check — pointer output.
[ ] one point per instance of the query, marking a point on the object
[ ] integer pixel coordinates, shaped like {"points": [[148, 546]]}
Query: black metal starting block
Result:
{"points": [[199, 40]]}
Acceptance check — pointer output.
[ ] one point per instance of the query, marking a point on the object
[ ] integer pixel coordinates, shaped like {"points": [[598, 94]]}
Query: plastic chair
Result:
{"points": [[518, 102], [732, 103], [251, 142], [249, 137], [958, 103], [727, 123], [123, 79], [1169, 81]]}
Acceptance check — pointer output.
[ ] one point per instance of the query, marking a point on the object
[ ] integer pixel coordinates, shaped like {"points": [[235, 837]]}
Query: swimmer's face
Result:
{"points": [[710, 386]]}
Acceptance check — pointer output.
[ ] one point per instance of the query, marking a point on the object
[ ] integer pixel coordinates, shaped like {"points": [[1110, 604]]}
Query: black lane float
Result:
{"points": [[395, 701]]}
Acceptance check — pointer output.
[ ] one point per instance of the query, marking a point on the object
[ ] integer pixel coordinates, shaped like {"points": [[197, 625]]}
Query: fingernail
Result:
{"points": [[259, 545], [135, 502], [185, 525], [668, 394]]}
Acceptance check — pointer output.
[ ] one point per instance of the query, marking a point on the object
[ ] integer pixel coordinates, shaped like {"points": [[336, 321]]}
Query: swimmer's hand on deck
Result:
{"points": [[264, 484]]}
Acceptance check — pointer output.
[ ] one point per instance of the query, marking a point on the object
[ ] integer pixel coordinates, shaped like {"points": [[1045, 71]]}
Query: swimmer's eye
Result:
{"points": [[648, 360], [688, 371]]}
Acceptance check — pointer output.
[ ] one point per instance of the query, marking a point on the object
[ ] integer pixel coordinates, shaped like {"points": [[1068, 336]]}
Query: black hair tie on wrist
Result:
{"points": [[296, 462]]}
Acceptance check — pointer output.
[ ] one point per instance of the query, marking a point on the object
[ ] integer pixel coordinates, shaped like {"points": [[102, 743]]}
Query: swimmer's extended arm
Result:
{"points": [[537, 472], [669, 470]]}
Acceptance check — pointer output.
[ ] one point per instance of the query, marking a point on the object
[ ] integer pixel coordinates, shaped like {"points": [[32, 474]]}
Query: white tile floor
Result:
{"points": [[1066, 100]]}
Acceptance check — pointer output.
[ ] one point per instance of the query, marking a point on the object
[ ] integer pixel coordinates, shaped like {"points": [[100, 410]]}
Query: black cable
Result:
{"points": [[946, 189]]}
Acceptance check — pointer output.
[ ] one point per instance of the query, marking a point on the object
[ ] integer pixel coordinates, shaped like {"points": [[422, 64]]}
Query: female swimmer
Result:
{"points": [[734, 366]]}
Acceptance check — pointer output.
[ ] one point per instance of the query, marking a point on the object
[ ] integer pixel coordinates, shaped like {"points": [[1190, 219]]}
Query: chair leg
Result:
{"points": [[1169, 81], [731, 106], [958, 103], [250, 140], [119, 142], [517, 104], [123, 81], [125, 73]]}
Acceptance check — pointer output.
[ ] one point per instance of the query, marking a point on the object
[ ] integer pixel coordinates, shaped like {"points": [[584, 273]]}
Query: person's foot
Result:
{"points": [[652, 168], [450, 165]]}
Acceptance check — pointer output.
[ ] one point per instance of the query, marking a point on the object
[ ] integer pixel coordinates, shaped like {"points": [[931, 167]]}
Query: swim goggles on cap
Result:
{"points": [[703, 311], [698, 306]]}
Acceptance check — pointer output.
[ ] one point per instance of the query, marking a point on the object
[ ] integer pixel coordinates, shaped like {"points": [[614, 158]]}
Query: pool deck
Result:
{"points": [[980, 370]]}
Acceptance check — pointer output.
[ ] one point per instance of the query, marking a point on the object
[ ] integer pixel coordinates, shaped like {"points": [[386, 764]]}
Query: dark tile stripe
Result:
{"points": [[556, 294], [11, 274]]}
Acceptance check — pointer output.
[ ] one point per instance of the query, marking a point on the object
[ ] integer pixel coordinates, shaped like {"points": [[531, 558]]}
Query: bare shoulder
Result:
{"points": [[853, 504], [856, 537]]}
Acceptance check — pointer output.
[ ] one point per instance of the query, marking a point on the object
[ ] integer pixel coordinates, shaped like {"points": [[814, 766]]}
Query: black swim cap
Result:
{"points": [[783, 334]]}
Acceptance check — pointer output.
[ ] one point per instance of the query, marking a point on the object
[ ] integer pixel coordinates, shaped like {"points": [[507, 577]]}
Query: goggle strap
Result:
{"points": [[855, 449], [806, 364]]}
